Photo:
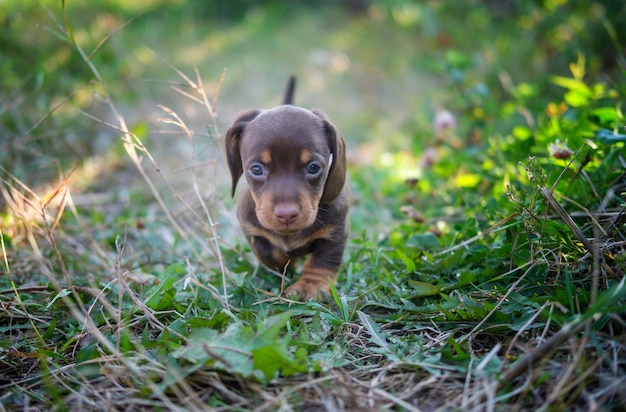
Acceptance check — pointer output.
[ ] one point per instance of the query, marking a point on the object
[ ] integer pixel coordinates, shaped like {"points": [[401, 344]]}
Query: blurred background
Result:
{"points": [[381, 69], [463, 120]]}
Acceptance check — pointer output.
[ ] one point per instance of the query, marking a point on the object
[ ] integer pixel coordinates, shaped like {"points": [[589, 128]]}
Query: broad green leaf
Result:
{"points": [[160, 296], [423, 289], [490, 364], [526, 90], [467, 180], [408, 262], [275, 358], [522, 132], [608, 137], [229, 351], [240, 350], [610, 300], [572, 84], [124, 340], [606, 115], [466, 278], [455, 351], [269, 330], [424, 241], [576, 98], [193, 351], [373, 329], [270, 359]]}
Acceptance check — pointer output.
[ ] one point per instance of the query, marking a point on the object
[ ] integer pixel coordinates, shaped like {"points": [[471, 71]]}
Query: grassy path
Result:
{"points": [[486, 266]]}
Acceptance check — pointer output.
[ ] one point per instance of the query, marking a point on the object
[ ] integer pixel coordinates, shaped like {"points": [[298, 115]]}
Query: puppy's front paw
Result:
{"points": [[313, 284]]}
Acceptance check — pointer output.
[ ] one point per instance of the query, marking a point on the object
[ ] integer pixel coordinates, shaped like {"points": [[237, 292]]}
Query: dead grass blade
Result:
{"points": [[554, 204], [106, 38]]}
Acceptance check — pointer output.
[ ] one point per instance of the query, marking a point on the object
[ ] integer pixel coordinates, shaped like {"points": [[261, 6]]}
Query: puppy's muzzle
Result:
{"points": [[286, 213]]}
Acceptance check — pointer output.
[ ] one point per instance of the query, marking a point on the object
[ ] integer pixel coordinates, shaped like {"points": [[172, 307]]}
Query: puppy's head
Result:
{"points": [[293, 160]]}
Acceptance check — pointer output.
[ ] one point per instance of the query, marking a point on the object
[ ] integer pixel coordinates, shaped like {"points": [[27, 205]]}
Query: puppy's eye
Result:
{"points": [[313, 169], [257, 170]]}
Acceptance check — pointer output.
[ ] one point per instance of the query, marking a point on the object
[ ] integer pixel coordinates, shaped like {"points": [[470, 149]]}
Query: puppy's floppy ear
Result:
{"points": [[337, 174], [232, 142]]}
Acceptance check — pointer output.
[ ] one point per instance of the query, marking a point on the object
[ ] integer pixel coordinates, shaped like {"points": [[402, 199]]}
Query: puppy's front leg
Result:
{"points": [[319, 270], [268, 254]]}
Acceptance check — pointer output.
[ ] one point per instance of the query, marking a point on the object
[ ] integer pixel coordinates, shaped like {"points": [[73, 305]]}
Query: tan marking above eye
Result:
{"points": [[266, 156], [305, 156]]}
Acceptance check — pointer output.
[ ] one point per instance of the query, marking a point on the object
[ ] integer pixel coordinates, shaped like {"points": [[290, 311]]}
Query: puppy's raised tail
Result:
{"points": [[291, 88]]}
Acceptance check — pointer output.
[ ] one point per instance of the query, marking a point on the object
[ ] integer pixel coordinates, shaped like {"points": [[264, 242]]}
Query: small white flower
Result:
{"points": [[444, 120], [560, 150], [429, 158]]}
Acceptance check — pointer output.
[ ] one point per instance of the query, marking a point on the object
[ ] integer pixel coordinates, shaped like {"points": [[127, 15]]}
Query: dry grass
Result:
{"points": [[89, 329]]}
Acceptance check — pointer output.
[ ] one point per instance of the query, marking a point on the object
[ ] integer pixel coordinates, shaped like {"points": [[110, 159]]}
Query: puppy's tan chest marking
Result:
{"points": [[290, 242]]}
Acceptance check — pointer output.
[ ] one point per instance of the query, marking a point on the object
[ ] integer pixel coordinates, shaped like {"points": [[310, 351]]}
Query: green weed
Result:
{"points": [[485, 269]]}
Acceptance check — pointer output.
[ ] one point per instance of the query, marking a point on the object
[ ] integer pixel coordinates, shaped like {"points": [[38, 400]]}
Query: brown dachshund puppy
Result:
{"points": [[296, 197]]}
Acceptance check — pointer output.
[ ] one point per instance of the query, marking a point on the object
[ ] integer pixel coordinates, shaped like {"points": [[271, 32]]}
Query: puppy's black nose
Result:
{"points": [[286, 213]]}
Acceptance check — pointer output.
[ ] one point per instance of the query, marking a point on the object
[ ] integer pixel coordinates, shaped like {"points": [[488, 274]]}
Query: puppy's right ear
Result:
{"points": [[336, 179], [232, 143]]}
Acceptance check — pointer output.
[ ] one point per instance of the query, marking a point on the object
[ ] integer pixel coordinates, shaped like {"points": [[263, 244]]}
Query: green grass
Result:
{"points": [[490, 278]]}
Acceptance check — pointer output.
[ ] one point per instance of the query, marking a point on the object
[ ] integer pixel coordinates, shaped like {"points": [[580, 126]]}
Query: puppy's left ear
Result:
{"points": [[337, 174], [232, 143]]}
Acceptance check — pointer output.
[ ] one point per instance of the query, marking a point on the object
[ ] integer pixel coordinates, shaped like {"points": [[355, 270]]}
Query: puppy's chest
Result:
{"points": [[299, 243]]}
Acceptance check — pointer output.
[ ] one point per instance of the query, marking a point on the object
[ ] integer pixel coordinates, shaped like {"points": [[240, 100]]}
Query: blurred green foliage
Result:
{"points": [[537, 91]]}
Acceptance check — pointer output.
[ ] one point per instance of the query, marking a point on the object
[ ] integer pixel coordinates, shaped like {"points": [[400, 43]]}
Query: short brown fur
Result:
{"points": [[295, 198]]}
